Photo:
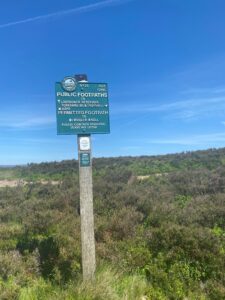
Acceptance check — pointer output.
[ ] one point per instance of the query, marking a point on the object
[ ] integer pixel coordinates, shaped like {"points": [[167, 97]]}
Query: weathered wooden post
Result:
{"points": [[82, 108], [86, 206]]}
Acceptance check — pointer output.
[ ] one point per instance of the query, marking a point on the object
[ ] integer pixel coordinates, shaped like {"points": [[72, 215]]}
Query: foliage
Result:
{"points": [[159, 228]]}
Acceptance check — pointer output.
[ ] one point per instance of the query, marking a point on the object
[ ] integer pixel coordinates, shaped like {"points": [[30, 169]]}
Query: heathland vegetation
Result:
{"points": [[159, 229]]}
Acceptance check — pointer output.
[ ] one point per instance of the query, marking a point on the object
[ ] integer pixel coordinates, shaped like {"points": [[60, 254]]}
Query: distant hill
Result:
{"points": [[7, 166], [138, 166]]}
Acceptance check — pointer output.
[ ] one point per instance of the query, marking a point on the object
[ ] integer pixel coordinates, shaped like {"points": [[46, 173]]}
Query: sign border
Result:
{"points": [[83, 132]]}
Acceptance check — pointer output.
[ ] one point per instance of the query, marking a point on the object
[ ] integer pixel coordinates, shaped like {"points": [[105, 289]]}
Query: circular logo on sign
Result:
{"points": [[69, 84]]}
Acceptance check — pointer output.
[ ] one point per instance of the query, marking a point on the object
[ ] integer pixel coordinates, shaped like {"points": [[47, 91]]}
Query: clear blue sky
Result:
{"points": [[164, 61]]}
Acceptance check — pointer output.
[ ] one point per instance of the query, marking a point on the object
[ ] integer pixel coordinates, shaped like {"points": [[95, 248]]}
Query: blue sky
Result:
{"points": [[164, 62]]}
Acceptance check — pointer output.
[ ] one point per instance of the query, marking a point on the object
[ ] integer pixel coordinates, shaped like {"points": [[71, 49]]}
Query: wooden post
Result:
{"points": [[86, 209], [86, 204]]}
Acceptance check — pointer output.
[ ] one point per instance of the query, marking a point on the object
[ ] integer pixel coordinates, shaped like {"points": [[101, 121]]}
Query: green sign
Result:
{"points": [[85, 159], [81, 107]]}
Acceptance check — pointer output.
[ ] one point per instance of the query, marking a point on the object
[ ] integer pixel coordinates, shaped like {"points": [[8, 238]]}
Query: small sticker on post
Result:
{"points": [[85, 159], [85, 143]]}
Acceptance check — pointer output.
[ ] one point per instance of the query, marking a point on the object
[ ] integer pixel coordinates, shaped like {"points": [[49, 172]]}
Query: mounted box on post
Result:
{"points": [[81, 107]]}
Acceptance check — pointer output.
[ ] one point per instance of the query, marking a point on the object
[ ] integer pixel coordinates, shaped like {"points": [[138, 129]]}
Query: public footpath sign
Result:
{"points": [[81, 107]]}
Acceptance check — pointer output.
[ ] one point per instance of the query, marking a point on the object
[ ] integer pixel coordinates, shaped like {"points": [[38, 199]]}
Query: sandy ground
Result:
{"points": [[143, 177], [13, 183]]}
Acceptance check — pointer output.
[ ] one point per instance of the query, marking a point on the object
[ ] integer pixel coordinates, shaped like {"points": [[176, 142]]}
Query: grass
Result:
{"points": [[108, 284], [8, 174]]}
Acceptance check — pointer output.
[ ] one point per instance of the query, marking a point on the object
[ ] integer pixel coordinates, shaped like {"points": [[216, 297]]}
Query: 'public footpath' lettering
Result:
{"points": [[84, 110]]}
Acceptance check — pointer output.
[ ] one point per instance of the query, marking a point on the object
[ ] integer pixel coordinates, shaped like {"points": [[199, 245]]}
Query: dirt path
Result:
{"points": [[9, 183], [14, 183], [144, 177]]}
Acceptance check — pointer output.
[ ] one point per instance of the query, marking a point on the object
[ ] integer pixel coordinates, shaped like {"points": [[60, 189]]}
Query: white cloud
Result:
{"points": [[128, 148], [78, 10], [184, 109], [27, 123], [203, 139]]}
